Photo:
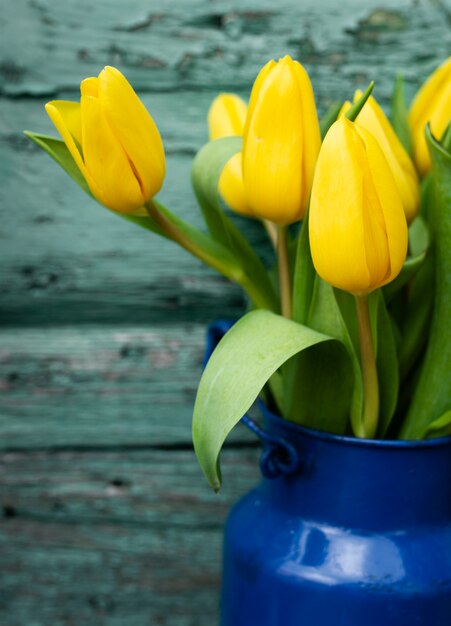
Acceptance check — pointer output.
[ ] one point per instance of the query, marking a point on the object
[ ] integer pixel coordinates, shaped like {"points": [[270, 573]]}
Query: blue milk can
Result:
{"points": [[345, 532]]}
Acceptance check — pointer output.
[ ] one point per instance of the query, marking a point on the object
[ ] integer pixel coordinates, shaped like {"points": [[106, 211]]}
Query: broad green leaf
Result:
{"points": [[432, 397], [206, 171], [244, 360], [329, 117], [399, 115], [440, 427], [319, 381], [58, 151]]}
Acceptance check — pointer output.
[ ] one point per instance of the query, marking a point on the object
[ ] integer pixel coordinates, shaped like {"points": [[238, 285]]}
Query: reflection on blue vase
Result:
{"points": [[361, 536]]}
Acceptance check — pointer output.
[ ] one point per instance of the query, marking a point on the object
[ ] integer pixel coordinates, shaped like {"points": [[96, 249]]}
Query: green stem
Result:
{"points": [[271, 230], [284, 272], [369, 370], [171, 230]]}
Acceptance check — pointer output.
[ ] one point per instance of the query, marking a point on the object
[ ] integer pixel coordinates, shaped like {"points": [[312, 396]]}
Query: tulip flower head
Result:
{"points": [[226, 118], [113, 140], [281, 142], [432, 105], [374, 120], [357, 225]]}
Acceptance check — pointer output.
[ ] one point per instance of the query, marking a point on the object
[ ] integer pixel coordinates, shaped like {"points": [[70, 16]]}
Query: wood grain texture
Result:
{"points": [[113, 538], [106, 517], [102, 386]]}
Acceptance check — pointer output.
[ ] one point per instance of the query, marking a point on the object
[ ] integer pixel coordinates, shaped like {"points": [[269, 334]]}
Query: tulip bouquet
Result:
{"points": [[349, 332]]}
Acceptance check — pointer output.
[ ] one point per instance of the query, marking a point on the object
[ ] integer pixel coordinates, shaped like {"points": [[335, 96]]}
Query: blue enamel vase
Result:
{"points": [[357, 534]]}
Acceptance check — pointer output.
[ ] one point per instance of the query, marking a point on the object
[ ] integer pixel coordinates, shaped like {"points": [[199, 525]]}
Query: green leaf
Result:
{"points": [[387, 367], [355, 109], [446, 139], [206, 171], [303, 276], [244, 360], [419, 239], [399, 115], [441, 427], [386, 357], [432, 397], [57, 149], [416, 311], [329, 117], [319, 381], [409, 269], [203, 246]]}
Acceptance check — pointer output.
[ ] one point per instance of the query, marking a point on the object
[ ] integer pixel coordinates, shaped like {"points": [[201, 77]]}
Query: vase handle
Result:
{"points": [[279, 457]]}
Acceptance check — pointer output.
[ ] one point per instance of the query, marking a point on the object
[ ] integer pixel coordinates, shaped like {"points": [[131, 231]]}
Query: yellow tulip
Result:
{"points": [[281, 142], [431, 104], [374, 120], [113, 140], [357, 225], [226, 118]]}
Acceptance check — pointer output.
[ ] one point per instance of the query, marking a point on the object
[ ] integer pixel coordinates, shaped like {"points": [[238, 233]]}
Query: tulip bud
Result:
{"points": [[357, 225], [226, 118], [113, 140], [374, 120], [281, 142], [431, 104]]}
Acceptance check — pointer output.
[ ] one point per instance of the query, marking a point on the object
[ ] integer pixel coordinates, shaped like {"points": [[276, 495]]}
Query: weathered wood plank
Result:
{"points": [[114, 538], [99, 386], [190, 43]]}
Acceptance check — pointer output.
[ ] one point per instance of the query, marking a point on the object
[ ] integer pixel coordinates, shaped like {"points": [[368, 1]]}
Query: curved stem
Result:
{"points": [[271, 230], [284, 272], [369, 370], [232, 273]]}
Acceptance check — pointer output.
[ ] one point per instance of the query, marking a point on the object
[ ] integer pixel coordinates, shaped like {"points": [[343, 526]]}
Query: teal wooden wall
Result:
{"points": [[104, 516]]}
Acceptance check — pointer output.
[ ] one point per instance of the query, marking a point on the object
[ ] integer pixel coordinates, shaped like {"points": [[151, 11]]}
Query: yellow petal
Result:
{"points": [[226, 116], [134, 129], [431, 104], [426, 95], [273, 146], [116, 185], [261, 77], [90, 87], [392, 212], [358, 230], [335, 218], [231, 186], [373, 119], [311, 131], [67, 119], [441, 115]]}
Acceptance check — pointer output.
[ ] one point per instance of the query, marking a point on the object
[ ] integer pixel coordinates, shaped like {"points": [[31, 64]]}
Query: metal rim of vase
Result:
{"points": [[356, 441]]}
